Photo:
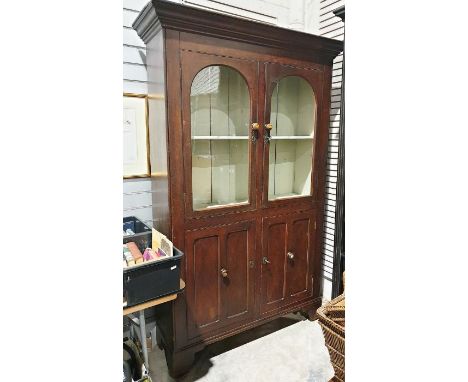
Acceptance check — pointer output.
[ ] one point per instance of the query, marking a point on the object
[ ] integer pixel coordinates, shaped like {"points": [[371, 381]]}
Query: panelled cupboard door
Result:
{"points": [[220, 279], [293, 97], [287, 256], [219, 112]]}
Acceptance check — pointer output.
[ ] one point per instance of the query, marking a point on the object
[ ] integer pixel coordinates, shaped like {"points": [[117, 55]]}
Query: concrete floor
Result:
{"points": [[286, 349]]}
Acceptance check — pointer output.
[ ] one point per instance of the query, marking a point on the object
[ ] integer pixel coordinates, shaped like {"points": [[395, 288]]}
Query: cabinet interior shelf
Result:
{"points": [[292, 137], [203, 205], [237, 137], [287, 195], [219, 137]]}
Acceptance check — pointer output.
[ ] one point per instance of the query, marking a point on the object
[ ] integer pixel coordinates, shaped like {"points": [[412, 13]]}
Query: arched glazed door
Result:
{"points": [[220, 96], [293, 96]]}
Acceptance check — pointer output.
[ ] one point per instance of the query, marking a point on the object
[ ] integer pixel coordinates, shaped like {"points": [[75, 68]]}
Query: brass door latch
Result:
{"points": [[254, 132], [268, 128]]}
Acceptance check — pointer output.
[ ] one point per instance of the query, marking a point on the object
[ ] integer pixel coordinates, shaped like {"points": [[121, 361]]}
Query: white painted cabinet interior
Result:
{"points": [[220, 110], [293, 114]]}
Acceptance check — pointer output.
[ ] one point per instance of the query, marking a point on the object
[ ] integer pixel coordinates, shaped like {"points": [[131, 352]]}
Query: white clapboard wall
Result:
{"points": [[301, 15], [332, 27], [136, 192], [134, 51]]}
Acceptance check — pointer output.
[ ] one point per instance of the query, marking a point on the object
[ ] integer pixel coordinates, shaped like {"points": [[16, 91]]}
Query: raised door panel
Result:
{"points": [[293, 100], [300, 246], [238, 285], [237, 280], [273, 263], [203, 282]]}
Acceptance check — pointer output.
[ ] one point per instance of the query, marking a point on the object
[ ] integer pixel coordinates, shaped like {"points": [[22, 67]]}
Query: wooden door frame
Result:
{"points": [[191, 64], [273, 73]]}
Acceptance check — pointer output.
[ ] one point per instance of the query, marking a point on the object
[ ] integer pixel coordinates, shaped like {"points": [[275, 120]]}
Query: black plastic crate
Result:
{"points": [[151, 280], [142, 237]]}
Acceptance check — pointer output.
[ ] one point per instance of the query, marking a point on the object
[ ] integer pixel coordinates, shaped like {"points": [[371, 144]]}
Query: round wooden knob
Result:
{"points": [[224, 272]]}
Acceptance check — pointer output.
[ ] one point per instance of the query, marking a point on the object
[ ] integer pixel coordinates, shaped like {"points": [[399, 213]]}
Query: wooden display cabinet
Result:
{"points": [[238, 120]]}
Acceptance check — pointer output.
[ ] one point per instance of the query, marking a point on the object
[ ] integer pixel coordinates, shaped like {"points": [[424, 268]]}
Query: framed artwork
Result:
{"points": [[136, 163]]}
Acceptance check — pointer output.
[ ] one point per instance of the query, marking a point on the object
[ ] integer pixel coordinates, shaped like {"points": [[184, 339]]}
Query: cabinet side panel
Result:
{"points": [[174, 133], [158, 133], [180, 309]]}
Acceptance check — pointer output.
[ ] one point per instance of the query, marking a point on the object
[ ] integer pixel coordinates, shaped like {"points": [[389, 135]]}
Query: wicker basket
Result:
{"points": [[332, 320]]}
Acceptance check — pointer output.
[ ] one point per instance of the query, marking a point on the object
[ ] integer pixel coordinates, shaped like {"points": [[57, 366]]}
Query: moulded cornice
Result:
{"points": [[340, 12], [147, 23], [166, 14]]}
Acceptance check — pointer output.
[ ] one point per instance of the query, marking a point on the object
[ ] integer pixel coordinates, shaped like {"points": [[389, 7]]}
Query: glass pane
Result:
{"points": [[220, 117], [293, 113]]}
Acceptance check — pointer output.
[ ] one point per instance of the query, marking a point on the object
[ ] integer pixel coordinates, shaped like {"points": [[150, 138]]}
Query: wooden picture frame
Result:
{"points": [[136, 150]]}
